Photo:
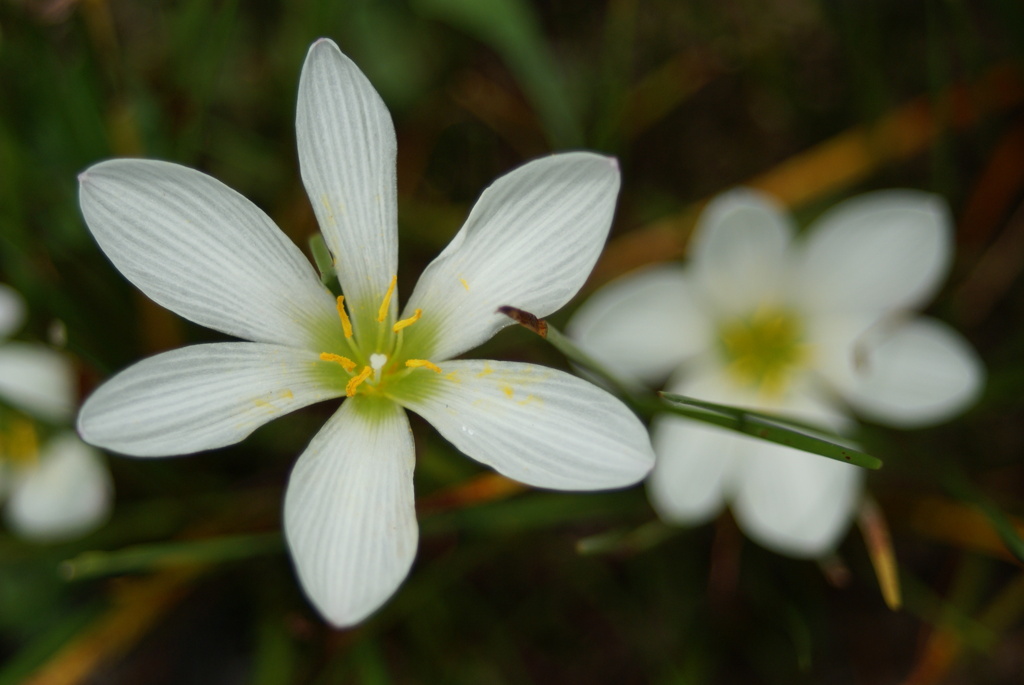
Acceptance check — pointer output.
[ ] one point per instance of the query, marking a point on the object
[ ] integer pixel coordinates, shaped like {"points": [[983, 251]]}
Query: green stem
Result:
{"points": [[324, 263], [563, 344], [166, 554]]}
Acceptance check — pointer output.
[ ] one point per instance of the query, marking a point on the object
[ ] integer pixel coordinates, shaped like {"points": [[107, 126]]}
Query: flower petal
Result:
{"points": [[537, 425], [37, 380], [693, 471], [200, 249], [200, 397], [879, 251], [65, 494], [349, 512], [774, 489], [792, 502], [915, 373], [347, 157], [643, 325], [12, 311], [530, 242], [740, 251]]}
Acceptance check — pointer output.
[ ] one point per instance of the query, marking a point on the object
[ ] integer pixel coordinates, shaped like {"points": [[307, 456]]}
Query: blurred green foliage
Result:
{"points": [[693, 97]]}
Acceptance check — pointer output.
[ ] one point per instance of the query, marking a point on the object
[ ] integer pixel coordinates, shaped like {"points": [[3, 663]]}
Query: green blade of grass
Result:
{"points": [[165, 554], [766, 427]]}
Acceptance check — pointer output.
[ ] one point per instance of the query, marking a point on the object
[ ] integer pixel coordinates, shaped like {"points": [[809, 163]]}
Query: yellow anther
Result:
{"points": [[404, 323], [356, 381], [386, 304], [346, 323], [422, 364], [347, 363]]}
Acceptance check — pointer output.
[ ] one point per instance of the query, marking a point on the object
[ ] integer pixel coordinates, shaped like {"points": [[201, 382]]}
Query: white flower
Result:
{"points": [[810, 328], [60, 489], [205, 252]]}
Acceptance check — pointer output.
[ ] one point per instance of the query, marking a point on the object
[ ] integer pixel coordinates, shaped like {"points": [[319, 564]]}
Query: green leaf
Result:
{"points": [[511, 29], [162, 555], [767, 427]]}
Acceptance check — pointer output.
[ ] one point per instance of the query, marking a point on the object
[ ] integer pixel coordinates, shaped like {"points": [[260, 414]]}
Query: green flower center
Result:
{"points": [[765, 349], [19, 441], [377, 363]]}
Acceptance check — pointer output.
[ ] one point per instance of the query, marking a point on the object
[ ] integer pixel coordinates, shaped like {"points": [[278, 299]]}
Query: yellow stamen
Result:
{"points": [[405, 323], [346, 323], [422, 364], [386, 304], [347, 363], [356, 381]]}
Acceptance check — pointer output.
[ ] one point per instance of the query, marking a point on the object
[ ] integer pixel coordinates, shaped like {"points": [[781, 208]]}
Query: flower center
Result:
{"points": [[376, 360], [19, 442], [765, 349]]}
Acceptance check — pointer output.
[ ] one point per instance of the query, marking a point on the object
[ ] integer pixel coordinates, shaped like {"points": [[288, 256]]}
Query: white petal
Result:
{"points": [[37, 380], [347, 157], [65, 494], [349, 512], [12, 311], [792, 502], [883, 250], [530, 242], [740, 251], [774, 489], [200, 397], [915, 373], [693, 475], [537, 425], [644, 324], [835, 345], [693, 471], [203, 251]]}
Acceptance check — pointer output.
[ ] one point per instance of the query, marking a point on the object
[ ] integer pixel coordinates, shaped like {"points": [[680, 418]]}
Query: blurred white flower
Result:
{"points": [[807, 327], [58, 489], [202, 250]]}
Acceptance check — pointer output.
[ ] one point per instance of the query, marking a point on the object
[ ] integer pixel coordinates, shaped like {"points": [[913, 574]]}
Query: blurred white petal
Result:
{"points": [[915, 373], [12, 311], [347, 153], [880, 251], [200, 249], [793, 502], [349, 511], [692, 475], [537, 425], [642, 325], [739, 252], [200, 397], [692, 478], [530, 242], [65, 494], [37, 380], [789, 501]]}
